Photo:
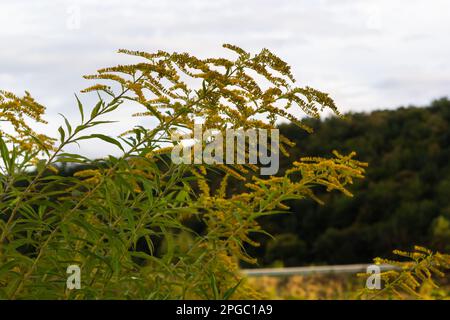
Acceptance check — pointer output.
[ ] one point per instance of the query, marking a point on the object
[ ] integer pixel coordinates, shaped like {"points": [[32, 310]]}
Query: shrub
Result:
{"points": [[122, 220]]}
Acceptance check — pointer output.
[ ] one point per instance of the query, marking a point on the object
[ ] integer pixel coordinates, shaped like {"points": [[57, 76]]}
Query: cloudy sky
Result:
{"points": [[368, 54]]}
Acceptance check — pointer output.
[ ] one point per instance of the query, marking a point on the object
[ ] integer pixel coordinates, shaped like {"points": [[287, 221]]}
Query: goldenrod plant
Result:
{"points": [[123, 220]]}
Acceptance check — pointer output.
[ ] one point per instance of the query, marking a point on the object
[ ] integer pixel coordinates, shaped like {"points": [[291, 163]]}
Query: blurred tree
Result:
{"points": [[403, 201]]}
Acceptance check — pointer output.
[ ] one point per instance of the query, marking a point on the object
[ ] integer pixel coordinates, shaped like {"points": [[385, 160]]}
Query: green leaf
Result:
{"points": [[102, 137], [96, 109], [214, 288], [68, 126], [80, 107], [227, 295], [62, 134]]}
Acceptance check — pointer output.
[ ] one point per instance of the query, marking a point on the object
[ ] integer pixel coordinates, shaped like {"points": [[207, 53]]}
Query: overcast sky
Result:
{"points": [[368, 54]]}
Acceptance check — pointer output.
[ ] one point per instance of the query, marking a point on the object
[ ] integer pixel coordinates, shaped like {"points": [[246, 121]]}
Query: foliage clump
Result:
{"points": [[123, 220]]}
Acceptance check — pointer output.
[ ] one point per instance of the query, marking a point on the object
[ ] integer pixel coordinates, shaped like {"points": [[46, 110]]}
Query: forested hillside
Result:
{"points": [[404, 200]]}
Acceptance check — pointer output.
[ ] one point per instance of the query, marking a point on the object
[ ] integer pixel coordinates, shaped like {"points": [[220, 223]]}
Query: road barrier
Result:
{"points": [[346, 268]]}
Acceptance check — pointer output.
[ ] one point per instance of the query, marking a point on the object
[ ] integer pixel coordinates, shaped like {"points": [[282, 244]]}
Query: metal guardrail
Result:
{"points": [[346, 268]]}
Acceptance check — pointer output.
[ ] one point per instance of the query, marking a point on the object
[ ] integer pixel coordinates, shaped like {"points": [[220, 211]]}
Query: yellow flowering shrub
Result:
{"points": [[124, 219]]}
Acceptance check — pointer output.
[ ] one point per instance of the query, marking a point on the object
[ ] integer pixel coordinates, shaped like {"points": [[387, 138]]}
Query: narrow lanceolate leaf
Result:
{"points": [[227, 295], [62, 134], [4, 153], [102, 137], [96, 109], [80, 108], [68, 126]]}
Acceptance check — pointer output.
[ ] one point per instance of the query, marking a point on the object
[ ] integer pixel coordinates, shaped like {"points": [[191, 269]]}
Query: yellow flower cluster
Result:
{"points": [[229, 95], [92, 176], [17, 111], [410, 276]]}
